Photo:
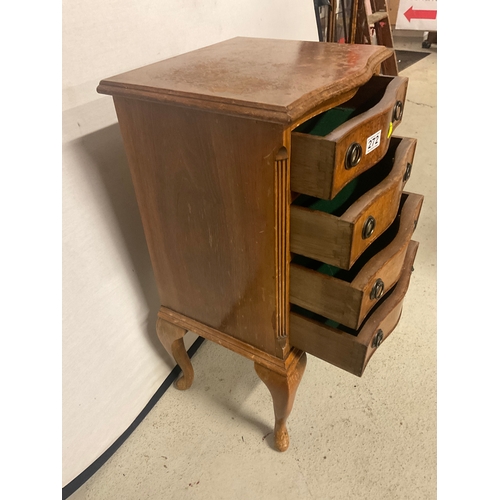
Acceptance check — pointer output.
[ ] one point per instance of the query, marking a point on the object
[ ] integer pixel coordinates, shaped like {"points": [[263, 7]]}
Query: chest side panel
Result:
{"points": [[205, 185]]}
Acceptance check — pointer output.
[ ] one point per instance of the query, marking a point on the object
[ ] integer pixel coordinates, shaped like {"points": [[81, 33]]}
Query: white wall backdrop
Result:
{"points": [[112, 360]]}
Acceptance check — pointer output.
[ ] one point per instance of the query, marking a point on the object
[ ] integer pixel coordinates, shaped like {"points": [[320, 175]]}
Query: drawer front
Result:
{"points": [[347, 297], [337, 235], [352, 349], [321, 165]]}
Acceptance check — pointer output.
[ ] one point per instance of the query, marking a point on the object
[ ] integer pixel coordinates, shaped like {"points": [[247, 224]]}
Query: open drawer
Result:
{"points": [[346, 348], [347, 296], [338, 231], [334, 147]]}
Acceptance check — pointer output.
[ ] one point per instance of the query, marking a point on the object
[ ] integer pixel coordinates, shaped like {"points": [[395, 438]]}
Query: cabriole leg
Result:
{"points": [[171, 336], [283, 389]]}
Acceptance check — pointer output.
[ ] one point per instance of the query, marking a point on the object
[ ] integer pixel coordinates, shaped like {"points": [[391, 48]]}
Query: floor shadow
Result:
{"points": [[408, 57], [226, 381], [105, 151]]}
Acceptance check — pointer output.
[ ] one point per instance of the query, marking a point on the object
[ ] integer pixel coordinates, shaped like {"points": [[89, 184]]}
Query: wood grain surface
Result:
{"points": [[205, 188], [278, 80]]}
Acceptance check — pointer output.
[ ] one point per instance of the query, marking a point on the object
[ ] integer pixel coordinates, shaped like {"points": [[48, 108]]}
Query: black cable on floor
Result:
{"points": [[83, 477]]}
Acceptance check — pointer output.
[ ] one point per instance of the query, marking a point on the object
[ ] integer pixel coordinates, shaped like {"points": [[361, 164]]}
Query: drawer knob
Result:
{"points": [[397, 112], [377, 340], [407, 172], [377, 290], [353, 155], [368, 227]]}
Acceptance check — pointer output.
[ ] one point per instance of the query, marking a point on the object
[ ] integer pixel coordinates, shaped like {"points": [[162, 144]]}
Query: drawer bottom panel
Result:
{"points": [[352, 349]]}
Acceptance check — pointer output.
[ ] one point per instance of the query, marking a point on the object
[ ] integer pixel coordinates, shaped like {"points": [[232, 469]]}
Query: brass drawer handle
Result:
{"points": [[407, 174], [397, 112], [353, 155], [377, 290], [377, 340], [368, 227]]}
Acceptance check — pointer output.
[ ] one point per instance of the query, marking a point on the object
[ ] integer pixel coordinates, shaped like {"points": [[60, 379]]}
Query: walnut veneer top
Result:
{"points": [[274, 80]]}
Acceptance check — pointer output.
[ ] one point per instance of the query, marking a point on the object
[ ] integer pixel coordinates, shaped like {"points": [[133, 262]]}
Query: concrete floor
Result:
{"points": [[350, 438]]}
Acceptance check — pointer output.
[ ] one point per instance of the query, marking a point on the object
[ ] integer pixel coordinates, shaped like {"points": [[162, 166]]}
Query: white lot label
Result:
{"points": [[373, 141]]}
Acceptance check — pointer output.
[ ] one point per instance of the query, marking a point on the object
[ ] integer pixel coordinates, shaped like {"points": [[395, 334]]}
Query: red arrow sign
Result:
{"points": [[411, 13]]}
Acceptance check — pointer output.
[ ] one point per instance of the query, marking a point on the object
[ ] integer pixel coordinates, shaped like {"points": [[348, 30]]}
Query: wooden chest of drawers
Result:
{"points": [[270, 187]]}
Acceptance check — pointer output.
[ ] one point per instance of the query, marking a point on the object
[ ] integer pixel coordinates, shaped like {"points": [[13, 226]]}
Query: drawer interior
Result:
{"points": [[367, 96], [354, 189], [348, 275]]}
